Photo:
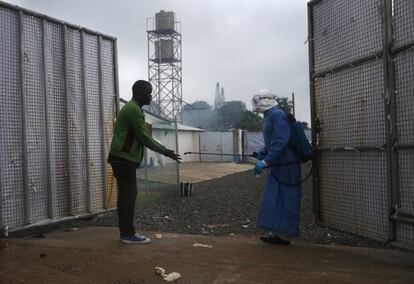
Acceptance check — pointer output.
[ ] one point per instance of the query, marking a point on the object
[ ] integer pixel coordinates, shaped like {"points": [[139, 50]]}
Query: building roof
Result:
{"points": [[180, 127], [151, 117], [159, 122]]}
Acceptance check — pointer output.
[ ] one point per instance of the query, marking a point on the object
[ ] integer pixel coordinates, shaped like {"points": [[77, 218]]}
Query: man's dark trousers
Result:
{"points": [[126, 177]]}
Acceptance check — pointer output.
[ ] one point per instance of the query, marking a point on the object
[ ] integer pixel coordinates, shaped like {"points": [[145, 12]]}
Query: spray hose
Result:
{"points": [[217, 154], [252, 156]]}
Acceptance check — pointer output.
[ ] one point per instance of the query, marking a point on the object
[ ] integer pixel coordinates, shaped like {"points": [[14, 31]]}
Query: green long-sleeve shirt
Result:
{"points": [[131, 134]]}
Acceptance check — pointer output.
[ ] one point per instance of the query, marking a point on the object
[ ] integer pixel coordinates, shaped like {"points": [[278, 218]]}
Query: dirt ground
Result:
{"points": [[94, 255], [221, 213]]}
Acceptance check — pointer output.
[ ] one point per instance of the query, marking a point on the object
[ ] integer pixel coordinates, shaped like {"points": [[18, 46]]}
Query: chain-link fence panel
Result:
{"points": [[405, 234], [403, 36], [158, 172], [353, 193], [345, 31], [11, 160], [403, 22], [404, 84], [48, 70], [94, 120], [35, 122], [109, 102], [77, 157], [404, 81], [406, 178], [55, 93], [358, 104], [350, 106]]}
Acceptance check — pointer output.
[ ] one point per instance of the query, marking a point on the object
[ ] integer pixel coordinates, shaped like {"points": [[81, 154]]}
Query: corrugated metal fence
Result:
{"points": [[58, 103], [362, 80]]}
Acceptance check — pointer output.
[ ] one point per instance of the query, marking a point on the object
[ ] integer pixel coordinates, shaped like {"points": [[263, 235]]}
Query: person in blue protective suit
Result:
{"points": [[279, 213]]}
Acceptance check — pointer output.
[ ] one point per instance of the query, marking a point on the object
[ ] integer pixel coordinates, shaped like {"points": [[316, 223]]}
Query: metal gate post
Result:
{"points": [[116, 75], [86, 114], [315, 162], [50, 201], [67, 119], [102, 119], [25, 152], [390, 118]]}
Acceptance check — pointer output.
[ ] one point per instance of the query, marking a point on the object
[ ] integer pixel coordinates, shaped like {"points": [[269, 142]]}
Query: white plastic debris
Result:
{"points": [[172, 276], [198, 245], [158, 236], [160, 271]]}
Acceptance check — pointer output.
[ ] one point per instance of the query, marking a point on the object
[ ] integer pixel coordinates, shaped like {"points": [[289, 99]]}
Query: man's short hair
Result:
{"points": [[141, 87]]}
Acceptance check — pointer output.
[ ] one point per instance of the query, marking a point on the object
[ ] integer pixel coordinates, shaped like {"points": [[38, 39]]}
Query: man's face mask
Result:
{"points": [[263, 102]]}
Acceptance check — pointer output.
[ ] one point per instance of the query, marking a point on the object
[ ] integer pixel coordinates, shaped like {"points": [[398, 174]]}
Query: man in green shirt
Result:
{"points": [[129, 139]]}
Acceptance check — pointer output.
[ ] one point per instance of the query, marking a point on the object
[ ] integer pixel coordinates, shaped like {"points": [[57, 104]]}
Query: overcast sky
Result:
{"points": [[245, 45]]}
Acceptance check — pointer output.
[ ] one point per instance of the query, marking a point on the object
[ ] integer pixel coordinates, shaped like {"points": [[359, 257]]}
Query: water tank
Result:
{"points": [[164, 20], [164, 49]]}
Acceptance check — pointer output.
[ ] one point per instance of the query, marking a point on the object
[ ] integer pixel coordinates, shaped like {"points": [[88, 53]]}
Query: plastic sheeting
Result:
{"points": [[252, 142]]}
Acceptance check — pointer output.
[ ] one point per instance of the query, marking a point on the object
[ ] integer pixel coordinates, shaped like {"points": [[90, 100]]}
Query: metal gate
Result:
{"points": [[58, 97], [361, 59], [216, 143]]}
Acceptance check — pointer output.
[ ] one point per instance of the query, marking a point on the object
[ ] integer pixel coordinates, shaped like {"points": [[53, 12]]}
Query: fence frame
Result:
{"points": [[387, 55], [21, 13]]}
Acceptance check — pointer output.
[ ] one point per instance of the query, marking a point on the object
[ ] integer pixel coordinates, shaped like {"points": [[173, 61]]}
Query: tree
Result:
{"points": [[229, 115], [199, 114], [232, 114], [284, 104], [250, 121], [197, 105]]}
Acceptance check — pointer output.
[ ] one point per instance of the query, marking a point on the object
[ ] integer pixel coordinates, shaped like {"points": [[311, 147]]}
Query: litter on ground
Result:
{"points": [[197, 245], [173, 276]]}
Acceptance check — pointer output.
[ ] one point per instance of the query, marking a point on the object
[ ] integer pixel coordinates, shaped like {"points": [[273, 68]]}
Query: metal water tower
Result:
{"points": [[164, 65]]}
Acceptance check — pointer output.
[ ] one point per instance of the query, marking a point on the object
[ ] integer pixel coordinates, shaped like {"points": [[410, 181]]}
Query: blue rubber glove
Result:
{"points": [[260, 166]]}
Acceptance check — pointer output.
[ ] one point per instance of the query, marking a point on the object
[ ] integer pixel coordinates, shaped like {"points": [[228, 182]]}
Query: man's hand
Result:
{"points": [[172, 155]]}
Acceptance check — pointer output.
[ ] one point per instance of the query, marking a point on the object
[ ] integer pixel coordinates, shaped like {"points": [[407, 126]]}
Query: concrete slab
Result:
{"points": [[193, 172], [201, 171], [94, 255]]}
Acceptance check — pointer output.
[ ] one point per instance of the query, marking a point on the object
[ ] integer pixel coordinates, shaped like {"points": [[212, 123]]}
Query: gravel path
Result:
{"points": [[230, 205]]}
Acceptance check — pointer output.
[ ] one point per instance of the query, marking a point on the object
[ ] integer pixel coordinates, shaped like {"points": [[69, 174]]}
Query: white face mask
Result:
{"points": [[263, 100]]}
